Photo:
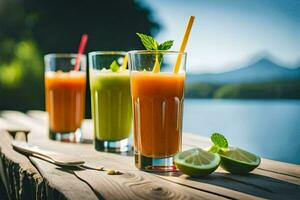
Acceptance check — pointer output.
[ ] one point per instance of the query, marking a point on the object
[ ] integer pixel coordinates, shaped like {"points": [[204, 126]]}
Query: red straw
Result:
{"points": [[81, 48]]}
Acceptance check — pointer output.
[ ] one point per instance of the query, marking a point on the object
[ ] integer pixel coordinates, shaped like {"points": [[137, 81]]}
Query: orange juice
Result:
{"points": [[158, 108], [65, 100]]}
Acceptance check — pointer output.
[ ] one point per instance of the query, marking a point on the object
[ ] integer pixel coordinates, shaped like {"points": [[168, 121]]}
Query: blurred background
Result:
{"points": [[243, 59]]}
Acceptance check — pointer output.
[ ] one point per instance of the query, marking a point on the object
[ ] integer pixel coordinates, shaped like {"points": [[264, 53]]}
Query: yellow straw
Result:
{"points": [[124, 65], [156, 67], [183, 43]]}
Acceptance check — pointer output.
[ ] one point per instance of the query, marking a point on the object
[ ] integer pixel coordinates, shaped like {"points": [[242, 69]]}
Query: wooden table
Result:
{"points": [[32, 178]]}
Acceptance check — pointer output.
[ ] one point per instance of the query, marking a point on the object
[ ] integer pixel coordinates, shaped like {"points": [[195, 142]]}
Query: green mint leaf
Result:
{"points": [[149, 42], [219, 140], [114, 67], [165, 45], [214, 149]]}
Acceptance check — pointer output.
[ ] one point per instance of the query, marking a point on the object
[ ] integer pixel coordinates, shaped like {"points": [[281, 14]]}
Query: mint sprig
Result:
{"points": [[114, 66], [165, 45], [151, 44], [219, 142]]}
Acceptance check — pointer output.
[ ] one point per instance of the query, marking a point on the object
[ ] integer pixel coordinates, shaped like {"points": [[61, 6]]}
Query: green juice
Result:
{"points": [[111, 104]]}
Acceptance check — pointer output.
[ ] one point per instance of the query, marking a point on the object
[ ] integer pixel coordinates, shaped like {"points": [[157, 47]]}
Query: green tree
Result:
{"points": [[32, 28], [268, 90], [57, 25], [200, 90]]}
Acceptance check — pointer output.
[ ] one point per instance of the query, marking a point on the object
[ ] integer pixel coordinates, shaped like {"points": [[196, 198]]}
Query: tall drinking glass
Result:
{"points": [[157, 99], [111, 101], [65, 96]]}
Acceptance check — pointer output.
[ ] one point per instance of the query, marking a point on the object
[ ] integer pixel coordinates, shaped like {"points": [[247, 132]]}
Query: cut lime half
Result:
{"points": [[197, 162], [238, 161]]}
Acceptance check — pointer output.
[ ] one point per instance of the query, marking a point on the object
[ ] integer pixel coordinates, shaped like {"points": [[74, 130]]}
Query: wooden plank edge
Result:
{"points": [[21, 178]]}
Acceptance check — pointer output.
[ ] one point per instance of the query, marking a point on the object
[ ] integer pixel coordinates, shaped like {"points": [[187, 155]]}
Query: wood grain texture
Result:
{"points": [[273, 180], [250, 186], [139, 185], [19, 177], [280, 167], [54, 183], [61, 182]]}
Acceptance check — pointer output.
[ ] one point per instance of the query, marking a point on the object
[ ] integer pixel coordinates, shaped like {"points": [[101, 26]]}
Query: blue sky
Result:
{"points": [[229, 33]]}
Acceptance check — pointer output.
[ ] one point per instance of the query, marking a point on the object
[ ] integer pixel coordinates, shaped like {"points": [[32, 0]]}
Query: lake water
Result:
{"points": [[269, 128]]}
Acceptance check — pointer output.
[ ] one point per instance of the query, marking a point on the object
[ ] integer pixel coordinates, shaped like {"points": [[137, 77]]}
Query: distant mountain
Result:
{"points": [[262, 70]]}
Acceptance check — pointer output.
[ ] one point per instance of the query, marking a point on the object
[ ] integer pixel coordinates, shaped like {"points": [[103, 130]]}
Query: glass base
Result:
{"points": [[154, 164], [74, 137], [113, 146]]}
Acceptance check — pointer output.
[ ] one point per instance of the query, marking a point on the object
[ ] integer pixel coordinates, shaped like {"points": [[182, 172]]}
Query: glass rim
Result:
{"points": [[142, 52], [95, 53], [63, 55]]}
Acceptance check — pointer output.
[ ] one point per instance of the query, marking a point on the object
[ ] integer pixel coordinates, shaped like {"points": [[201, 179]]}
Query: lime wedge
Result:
{"points": [[197, 162], [238, 161]]}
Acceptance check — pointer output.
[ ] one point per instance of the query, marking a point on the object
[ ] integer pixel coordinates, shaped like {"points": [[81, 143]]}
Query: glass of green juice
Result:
{"points": [[111, 100]]}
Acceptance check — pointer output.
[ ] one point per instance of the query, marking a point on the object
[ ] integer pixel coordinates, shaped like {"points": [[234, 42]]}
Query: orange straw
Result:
{"points": [[81, 48]]}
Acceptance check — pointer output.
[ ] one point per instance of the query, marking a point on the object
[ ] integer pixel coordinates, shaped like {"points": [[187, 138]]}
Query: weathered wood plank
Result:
{"points": [[267, 182], [40, 116], [19, 176], [139, 185], [110, 161], [7, 125], [278, 176], [57, 184], [3, 124], [280, 167], [255, 184], [62, 183], [204, 185]]}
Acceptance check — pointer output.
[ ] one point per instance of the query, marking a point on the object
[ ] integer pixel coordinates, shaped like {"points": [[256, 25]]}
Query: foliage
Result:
{"points": [[32, 28], [111, 25], [200, 90], [151, 44], [21, 79], [268, 90], [114, 67]]}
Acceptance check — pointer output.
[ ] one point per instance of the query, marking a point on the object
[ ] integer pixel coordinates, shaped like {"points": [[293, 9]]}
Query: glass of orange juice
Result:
{"points": [[157, 98], [65, 96]]}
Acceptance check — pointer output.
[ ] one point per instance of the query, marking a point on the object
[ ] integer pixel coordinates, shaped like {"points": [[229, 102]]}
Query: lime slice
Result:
{"points": [[238, 161], [197, 162]]}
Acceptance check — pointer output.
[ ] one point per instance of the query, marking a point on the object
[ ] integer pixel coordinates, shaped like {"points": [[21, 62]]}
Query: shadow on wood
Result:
{"points": [[253, 184]]}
